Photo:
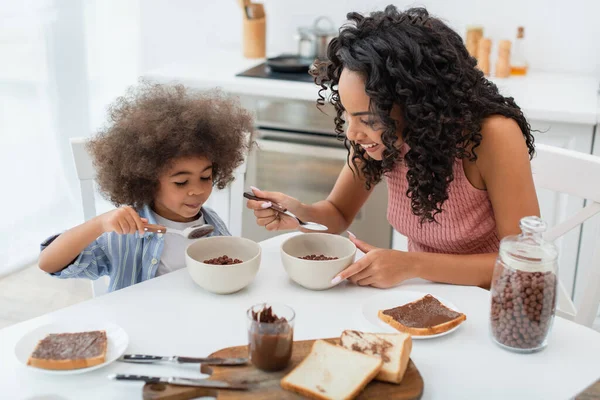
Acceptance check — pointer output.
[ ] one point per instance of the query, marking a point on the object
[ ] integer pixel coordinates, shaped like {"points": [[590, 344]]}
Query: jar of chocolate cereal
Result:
{"points": [[524, 289]]}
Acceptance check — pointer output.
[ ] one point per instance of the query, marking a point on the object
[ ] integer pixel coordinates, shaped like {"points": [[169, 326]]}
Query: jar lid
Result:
{"points": [[529, 251]]}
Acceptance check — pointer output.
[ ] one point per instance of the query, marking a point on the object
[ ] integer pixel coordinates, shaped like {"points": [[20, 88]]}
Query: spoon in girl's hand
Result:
{"points": [[313, 226], [191, 232]]}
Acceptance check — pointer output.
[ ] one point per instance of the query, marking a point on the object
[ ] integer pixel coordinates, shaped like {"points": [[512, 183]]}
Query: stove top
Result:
{"points": [[264, 72]]}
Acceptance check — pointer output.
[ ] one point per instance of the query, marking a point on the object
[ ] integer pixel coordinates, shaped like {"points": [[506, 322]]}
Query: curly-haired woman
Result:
{"points": [[158, 159], [454, 152]]}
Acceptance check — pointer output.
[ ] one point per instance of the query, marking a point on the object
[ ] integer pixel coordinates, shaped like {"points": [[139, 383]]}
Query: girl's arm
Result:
{"points": [[66, 247]]}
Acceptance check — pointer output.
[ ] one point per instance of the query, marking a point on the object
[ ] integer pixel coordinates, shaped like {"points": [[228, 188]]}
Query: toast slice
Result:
{"points": [[393, 349], [63, 351], [332, 372], [423, 317]]}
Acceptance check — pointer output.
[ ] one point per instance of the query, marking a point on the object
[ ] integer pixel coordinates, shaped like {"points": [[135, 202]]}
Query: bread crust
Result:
{"points": [[66, 364], [426, 331], [320, 396], [69, 364], [388, 376]]}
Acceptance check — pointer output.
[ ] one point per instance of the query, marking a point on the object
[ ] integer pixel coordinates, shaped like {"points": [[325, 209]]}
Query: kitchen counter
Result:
{"points": [[220, 72], [549, 97]]}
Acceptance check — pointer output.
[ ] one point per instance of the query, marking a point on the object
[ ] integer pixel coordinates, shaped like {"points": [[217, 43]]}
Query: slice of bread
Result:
{"points": [[423, 317], [64, 351], [393, 349], [332, 372]]}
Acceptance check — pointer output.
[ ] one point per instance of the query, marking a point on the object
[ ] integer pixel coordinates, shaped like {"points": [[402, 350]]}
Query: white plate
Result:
{"points": [[393, 299], [117, 343]]}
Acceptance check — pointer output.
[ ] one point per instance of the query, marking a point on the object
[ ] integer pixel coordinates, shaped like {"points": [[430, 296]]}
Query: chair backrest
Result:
{"points": [[85, 174], [228, 203], [576, 174]]}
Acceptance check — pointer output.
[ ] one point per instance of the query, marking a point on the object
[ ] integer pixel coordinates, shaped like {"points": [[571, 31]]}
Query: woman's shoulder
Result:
{"points": [[503, 147], [500, 134], [496, 123]]}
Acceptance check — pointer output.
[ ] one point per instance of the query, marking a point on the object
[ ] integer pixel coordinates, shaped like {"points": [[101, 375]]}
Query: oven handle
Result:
{"points": [[281, 146]]}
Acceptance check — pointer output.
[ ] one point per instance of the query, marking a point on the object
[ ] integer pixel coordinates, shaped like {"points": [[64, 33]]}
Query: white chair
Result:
{"points": [[228, 203], [577, 174]]}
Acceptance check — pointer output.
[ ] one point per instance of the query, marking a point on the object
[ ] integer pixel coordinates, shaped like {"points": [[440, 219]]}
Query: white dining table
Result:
{"points": [[171, 315]]}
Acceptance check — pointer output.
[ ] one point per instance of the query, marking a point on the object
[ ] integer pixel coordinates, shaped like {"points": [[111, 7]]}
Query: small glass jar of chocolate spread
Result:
{"points": [[270, 336], [524, 289]]}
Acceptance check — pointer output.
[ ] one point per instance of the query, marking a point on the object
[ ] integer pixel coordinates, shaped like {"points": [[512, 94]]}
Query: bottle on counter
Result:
{"points": [[524, 289], [483, 56], [503, 62], [474, 35], [518, 61]]}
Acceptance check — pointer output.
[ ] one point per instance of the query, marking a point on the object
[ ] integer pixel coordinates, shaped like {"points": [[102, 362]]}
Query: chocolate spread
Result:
{"points": [[424, 313], [71, 346], [270, 341], [374, 346]]}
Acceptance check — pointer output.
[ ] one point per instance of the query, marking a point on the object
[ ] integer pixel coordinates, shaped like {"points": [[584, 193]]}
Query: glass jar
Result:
{"points": [[524, 289], [270, 335]]}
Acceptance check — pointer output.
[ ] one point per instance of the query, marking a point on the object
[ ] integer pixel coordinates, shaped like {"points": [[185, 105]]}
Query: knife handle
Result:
{"points": [[211, 360], [142, 359], [192, 360], [127, 377]]}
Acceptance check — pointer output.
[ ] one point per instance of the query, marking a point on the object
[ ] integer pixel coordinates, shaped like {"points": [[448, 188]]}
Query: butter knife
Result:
{"points": [[147, 359], [173, 380]]}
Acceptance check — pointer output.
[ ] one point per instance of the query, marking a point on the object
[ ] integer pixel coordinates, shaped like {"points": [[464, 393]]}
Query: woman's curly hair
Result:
{"points": [[417, 62], [154, 124]]}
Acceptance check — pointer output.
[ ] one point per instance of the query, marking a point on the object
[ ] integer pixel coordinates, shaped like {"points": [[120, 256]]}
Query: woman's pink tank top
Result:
{"points": [[465, 226]]}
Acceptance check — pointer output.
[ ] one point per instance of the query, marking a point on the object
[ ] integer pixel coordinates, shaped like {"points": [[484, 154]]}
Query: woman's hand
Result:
{"points": [[124, 220], [381, 268], [273, 220]]}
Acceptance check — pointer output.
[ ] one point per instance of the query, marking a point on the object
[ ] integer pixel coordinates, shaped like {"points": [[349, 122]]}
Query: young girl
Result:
{"points": [[454, 152], [159, 158]]}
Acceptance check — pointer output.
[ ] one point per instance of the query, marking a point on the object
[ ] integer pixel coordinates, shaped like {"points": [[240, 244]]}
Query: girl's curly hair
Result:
{"points": [[417, 62], [154, 124]]}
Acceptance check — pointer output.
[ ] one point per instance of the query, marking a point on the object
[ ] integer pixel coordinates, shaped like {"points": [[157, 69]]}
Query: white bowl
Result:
{"points": [[316, 275], [223, 279]]}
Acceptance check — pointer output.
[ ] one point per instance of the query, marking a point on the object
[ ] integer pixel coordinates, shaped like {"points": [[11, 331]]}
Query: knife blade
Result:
{"points": [[149, 359], [173, 380]]}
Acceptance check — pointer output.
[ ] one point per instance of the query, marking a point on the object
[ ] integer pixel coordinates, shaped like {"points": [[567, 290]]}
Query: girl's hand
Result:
{"points": [[273, 220], [381, 268], [124, 220]]}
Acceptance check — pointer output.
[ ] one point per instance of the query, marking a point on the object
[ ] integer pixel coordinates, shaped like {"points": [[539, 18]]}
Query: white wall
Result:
{"points": [[562, 35]]}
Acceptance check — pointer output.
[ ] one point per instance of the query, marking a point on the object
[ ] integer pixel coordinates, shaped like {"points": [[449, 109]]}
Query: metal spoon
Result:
{"points": [[313, 226], [191, 232]]}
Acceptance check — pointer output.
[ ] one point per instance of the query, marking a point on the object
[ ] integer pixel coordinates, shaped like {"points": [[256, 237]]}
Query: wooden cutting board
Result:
{"points": [[265, 385]]}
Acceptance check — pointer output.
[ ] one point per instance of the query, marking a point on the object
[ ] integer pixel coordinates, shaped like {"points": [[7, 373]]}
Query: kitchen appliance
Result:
{"points": [[264, 71], [290, 63], [313, 40], [299, 154]]}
